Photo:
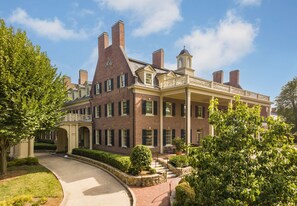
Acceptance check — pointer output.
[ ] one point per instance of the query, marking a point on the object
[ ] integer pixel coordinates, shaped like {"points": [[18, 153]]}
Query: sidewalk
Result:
{"points": [[158, 195]]}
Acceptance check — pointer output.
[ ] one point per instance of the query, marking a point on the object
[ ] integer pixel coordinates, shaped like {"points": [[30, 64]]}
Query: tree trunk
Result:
{"points": [[3, 162]]}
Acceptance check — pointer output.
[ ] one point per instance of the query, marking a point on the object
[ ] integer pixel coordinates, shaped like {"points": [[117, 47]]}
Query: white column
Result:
{"points": [[188, 116], [91, 137], [31, 147], [161, 124]]}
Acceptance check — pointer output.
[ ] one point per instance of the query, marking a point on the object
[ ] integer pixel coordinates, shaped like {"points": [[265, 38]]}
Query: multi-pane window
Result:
{"points": [[108, 85], [148, 78], [109, 137], [109, 110], [168, 109], [200, 112], [98, 137], [97, 88], [149, 138], [168, 136], [122, 80], [97, 111], [124, 138], [149, 107], [124, 107]]}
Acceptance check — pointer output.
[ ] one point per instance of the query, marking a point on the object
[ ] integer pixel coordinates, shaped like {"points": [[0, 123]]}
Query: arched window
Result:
{"points": [[188, 63], [180, 63]]}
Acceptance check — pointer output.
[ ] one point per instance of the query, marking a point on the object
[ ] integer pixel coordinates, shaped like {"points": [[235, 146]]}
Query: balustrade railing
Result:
{"points": [[77, 117], [184, 80]]}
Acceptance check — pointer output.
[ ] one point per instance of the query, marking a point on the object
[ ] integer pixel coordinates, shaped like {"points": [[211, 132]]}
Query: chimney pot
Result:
{"points": [[234, 78], [218, 76]]}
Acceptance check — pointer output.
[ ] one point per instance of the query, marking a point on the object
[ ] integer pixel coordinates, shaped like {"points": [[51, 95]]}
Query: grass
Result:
{"points": [[29, 180]]}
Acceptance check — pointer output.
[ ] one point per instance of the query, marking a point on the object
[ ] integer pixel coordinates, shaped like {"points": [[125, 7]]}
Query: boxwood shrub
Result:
{"points": [[23, 161], [48, 141], [118, 161], [44, 146], [179, 161], [185, 195]]}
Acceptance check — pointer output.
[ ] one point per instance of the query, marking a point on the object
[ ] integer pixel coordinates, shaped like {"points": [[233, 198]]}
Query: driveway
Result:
{"points": [[83, 184]]}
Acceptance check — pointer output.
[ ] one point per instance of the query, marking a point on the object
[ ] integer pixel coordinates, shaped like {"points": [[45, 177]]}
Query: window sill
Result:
{"points": [[149, 115], [109, 145], [150, 146], [168, 116], [124, 115], [124, 147]]}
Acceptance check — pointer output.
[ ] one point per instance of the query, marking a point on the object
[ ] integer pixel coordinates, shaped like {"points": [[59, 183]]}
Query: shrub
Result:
{"points": [[179, 144], [19, 200], [141, 157], [23, 161], [179, 161], [48, 141], [185, 195], [118, 161], [44, 146]]}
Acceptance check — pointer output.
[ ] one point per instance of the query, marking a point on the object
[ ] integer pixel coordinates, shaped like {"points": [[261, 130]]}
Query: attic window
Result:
{"points": [[148, 78]]}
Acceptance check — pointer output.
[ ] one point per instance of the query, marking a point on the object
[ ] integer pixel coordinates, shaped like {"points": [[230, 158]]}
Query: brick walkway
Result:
{"points": [[158, 195]]}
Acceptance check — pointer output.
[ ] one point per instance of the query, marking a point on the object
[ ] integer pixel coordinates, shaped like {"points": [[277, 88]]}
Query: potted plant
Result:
{"points": [[179, 144]]}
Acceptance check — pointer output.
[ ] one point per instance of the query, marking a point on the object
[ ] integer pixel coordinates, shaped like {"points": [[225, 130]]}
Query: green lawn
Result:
{"points": [[33, 181]]}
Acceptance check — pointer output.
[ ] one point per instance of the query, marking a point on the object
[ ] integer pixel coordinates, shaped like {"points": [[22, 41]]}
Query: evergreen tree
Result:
{"points": [[31, 94]]}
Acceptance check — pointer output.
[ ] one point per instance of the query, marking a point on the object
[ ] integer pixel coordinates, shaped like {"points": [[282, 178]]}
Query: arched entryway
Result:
{"points": [[62, 140], [83, 137]]}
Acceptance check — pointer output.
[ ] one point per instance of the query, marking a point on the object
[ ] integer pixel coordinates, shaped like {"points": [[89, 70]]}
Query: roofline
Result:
{"points": [[145, 64]]}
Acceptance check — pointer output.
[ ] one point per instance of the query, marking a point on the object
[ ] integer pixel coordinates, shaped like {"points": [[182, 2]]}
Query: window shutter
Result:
{"points": [[182, 111], [99, 108], [94, 110], [106, 137], [119, 109], [100, 88], [105, 110], [128, 138], [191, 110], [155, 137], [105, 86], [100, 135], [118, 81], [112, 109], [143, 106], [173, 133], [144, 137], [196, 111], [183, 134], [94, 136], [126, 80], [155, 108], [128, 107], [203, 111], [164, 108], [120, 138], [112, 137], [164, 137], [173, 109], [94, 89], [111, 81]]}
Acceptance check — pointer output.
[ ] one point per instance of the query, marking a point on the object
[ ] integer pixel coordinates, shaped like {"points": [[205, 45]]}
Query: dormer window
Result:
{"points": [[148, 79]]}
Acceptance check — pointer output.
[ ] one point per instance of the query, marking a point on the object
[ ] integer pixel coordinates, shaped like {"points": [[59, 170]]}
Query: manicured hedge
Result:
{"points": [[179, 161], [185, 195], [118, 161], [44, 146], [23, 161], [48, 141]]}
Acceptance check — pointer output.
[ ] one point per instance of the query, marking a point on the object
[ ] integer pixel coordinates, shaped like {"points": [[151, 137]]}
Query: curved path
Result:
{"points": [[83, 184]]}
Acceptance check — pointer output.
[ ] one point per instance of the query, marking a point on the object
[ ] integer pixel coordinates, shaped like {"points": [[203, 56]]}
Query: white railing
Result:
{"points": [[77, 117], [188, 80]]}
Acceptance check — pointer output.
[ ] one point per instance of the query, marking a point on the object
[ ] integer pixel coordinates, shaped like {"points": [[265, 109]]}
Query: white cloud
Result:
{"points": [[91, 63], [249, 2], [52, 29], [153, 15], [214, 48]]}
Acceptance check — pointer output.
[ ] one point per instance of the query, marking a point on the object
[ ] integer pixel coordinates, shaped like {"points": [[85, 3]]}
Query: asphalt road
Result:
{"points": [[83, 184]]}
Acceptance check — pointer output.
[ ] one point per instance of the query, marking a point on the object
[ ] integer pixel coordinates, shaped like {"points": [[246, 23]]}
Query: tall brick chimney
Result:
{"points": [[234, 78], [102, 43], [83, 76], [218, 76], [118, 34], [67, 82], [158, 58]]}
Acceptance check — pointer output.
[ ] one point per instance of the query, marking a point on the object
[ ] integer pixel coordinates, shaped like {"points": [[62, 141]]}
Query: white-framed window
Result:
{"points": [[168, 136], [97, 136], [199, 136], [168, 109], [124, 137], [148, 78], [149, 141], [124, 108], [109, 110], [149, 110], [109, 138], [108, 85], [122, 80], [200, 111], [97, 88]]}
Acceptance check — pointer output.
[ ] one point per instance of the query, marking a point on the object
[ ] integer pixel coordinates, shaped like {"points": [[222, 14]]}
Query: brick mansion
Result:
{"points": [[130, 102]]}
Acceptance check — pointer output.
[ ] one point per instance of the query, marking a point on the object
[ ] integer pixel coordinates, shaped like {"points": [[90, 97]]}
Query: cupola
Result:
{"points": [[184, 63]]}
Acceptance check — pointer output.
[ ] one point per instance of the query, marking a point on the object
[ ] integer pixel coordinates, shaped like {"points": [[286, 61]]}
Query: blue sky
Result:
{"points": [[258, 37]]}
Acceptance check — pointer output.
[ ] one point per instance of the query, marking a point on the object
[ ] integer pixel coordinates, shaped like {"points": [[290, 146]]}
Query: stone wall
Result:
{"points": [[179, 171], [139, 181]]}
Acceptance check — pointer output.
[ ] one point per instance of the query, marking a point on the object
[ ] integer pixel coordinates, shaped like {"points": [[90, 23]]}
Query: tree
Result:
{"points": [[31, 95], [244, 163], [286, 103]]}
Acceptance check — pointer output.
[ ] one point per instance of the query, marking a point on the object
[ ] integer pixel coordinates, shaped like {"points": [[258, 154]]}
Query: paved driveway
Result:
{"points": [[83, 184]]}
